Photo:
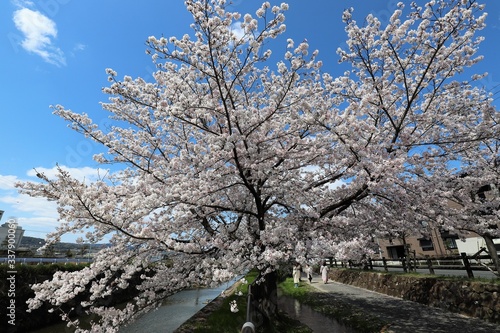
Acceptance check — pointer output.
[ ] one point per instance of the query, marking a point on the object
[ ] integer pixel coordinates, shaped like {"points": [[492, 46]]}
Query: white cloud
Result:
{"points": [[318, 174], [7, 182], [23, 3], [39, 32], [34, 206], [79, 47], [237, 30], [81, 174], [37, 216]]}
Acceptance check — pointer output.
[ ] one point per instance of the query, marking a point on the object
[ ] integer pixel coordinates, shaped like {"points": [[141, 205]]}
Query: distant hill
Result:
{"points": [[30, 242]]}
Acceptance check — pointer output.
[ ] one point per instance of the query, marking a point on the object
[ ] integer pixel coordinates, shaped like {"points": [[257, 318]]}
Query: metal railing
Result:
{"points": [[248, 326], [261, 303], [40, 260]]}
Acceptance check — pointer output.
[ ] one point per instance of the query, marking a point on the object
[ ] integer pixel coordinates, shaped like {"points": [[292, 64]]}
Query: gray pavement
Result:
{"points": [[405, 316]]}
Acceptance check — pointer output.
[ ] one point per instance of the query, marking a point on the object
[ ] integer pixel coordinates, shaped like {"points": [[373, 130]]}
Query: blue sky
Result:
{"points": [[56, 52]]}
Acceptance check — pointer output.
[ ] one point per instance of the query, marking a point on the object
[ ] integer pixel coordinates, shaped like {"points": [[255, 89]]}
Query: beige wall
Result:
{"points": [[393, 248]]}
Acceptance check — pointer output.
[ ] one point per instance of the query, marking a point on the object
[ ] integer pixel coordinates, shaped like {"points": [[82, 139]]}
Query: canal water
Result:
{"points": [[174, 312], [306, 315]]}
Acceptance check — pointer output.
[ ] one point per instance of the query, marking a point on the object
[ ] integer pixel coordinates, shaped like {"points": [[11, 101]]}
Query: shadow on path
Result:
{"points": [[405, 316]]}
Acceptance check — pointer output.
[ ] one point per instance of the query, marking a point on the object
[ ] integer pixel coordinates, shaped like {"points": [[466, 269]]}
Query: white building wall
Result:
{"points": [[10, 228], [472, 245]]}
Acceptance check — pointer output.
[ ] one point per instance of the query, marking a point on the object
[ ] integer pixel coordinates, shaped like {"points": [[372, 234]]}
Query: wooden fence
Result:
{"points": [[469, 264]]}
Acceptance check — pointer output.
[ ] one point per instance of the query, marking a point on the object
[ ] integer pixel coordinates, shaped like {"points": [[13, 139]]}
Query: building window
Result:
{"points": [[426, 244], [396, 252], [451, 244]]}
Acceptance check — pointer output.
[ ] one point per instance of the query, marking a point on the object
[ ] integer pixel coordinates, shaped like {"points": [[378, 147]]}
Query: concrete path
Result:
{"points": [[405, 316]]}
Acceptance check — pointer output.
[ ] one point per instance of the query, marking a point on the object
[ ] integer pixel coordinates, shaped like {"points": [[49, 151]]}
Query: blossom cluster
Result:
{"points": [[228, 164]]}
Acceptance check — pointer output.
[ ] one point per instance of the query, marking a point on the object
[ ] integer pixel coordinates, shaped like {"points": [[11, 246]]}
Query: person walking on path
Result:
{"points": [[324, 272], [296, 275], [309, 273]]}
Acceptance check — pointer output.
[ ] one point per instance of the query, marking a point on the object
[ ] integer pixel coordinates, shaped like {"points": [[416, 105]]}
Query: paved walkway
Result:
{"points": [[405, 316]]}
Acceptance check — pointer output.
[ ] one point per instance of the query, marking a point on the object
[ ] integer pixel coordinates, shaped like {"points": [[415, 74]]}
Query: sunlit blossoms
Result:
{"points": [[233, 306], [228, 162]]}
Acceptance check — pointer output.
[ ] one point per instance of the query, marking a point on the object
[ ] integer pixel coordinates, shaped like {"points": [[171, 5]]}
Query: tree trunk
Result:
{"points": [[265, 299], [490, 246], [407, 258]]}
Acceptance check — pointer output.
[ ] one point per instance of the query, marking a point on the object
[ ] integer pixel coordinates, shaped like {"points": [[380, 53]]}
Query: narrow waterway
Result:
{"points": [[173, 313], [306, 315]]}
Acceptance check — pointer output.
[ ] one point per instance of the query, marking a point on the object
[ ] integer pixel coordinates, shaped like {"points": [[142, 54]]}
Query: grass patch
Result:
{"points": [[288, 288], [331, 307], [217, 317], [222, 320]]}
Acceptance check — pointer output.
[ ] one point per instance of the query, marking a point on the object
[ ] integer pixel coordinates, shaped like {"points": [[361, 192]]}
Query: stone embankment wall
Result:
{"points": [[470, 298]]}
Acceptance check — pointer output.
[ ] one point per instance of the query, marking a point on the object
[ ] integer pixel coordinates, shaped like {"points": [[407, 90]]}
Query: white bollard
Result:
{"points": [[248, 327]]}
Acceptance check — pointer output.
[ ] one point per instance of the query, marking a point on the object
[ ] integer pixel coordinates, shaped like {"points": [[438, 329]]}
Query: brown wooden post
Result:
{"points": [[370, 264], [384, 262], [467, 265], [429, 264], [414, 260], [405, 269]]}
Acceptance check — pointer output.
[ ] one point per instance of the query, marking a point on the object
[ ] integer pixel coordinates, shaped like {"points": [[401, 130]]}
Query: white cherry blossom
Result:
{"points": [[229, 163]]}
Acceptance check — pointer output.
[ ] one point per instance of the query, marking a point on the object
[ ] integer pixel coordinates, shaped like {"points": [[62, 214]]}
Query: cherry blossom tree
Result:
{"points": [[415, 112], [227, 164], [468, 201]]}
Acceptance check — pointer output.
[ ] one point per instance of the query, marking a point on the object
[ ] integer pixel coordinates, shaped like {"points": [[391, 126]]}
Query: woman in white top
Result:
{"points": [[309, 272], [296, 275], [324, 272]]}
